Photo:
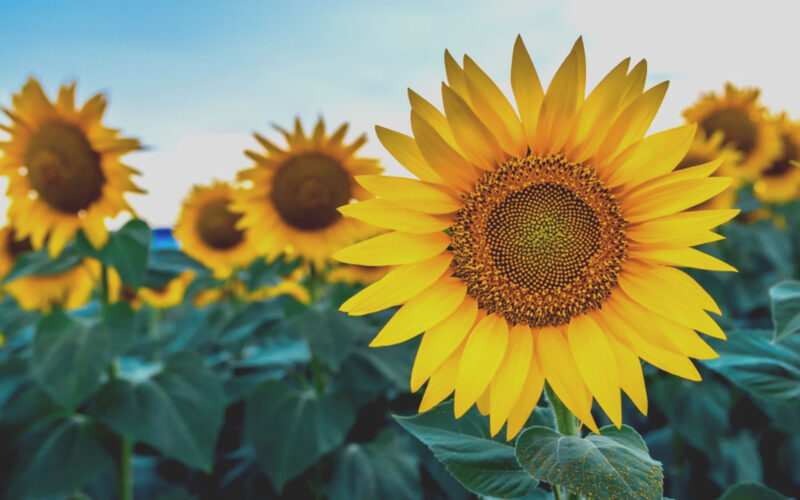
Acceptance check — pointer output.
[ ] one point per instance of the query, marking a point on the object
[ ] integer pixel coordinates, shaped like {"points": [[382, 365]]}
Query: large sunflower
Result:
{"points": [[69, 289], [64, 168], [744, 123], [541, 247], [706, 149], [291, 204], [207, 230], [780, 181]]}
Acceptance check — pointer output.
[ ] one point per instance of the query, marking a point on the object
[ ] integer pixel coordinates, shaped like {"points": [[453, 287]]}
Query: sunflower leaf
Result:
{"points": [[482, 464], [612, 464], [178, 410], [751, 360], [126, 251], [785, 309], [291, 428], [39, 263], [751, 491], [331, 335]]}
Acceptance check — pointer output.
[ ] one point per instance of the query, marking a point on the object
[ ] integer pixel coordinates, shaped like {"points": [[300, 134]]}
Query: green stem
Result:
{"points": [[314, 283], [566, 425], [125, 469], [317, 375]]}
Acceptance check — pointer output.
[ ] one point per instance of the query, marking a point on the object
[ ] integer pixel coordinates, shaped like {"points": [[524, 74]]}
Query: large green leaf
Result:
{"points": [[613, 464], [126, 251], [751, 491], [751, 360], [739, 460], [177, 410], [38, 263], [383, 468], [56, 456], [785, 309], [482, 464], [291, 428], [248, 320], [69, 357], [331, 335], [262, 273]]}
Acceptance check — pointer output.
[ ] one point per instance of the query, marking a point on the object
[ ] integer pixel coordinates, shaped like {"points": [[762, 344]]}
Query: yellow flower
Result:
{"points": [[744, 124], [69, 289], [291, 204], [64, 168], [705, 149], [780, 181], [238, 290], [207, 230], [356, 275], [541, 247], [171, 294]]}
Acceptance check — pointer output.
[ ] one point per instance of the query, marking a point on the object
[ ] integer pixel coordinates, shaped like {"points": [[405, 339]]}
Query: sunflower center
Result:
{"points": [[307, 190], [539, 241], [216, 225], [791, 153], [63, 168], [737, 126]]}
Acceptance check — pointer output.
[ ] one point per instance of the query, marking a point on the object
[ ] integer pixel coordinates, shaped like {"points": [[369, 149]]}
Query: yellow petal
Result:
{"points": [[94, 228], [527, 89], [397, 286], [411, 193], [596, 364], [683, 338], [432, 116], [684, 257], [631, 379], [446, 161], [562, 374], [674, 198], [634, 84], [473, 137], [392, 249], [483, 353], [404, 149], [455, 76], [508, 382], [494, 109], [651, 157], [528, 397], [427, 309], [484, 402], [560, 103], [697, 220], [440, 341], [385, 214], [631, 194], [442, 382]]}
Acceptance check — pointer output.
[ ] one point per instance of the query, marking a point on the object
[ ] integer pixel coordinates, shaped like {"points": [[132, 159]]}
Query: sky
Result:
{"points": [[193, 80]]}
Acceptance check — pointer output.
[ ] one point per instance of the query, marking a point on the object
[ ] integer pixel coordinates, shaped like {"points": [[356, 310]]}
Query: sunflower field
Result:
{"points": [[553, 301]]}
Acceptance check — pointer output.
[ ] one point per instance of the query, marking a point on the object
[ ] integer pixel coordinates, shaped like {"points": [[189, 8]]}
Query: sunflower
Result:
{"points": [[168, 295], [744, 124], [64, 168], [291, 206], [69, 289], [706, 149], [207, 230], [236, 289], [780, 181], [356, 275], [542, 247]]}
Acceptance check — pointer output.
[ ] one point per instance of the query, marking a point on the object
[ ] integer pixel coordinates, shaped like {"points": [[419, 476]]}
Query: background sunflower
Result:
{"points": [[780, 181], [706, 149], [64, 167], [293, 194]]}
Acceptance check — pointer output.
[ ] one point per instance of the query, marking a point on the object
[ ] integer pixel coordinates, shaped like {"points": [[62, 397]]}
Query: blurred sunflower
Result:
{"points": [[780, 181], [291, 206], [744, 123], [706, 149], [541, 247], [207, 230], [356, 275], [238, 290], [64, 168], [168, 295], [69, 289]]}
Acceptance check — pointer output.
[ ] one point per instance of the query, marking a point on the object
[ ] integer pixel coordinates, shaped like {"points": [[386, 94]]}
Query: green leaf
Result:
{"points": [[39, 263], [331, 334], [126, 251], [248, 320], [177, 410], [482, 464], [751, 491], [613, 464], [291, 429], [739, 460], [383, 468], [165, 264], [765, 369], [55, 456], [262, 273], [785, 309], [69, 357]]}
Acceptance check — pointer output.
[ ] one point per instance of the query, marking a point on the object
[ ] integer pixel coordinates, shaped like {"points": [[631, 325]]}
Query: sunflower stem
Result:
{"points": [[566, 425]]}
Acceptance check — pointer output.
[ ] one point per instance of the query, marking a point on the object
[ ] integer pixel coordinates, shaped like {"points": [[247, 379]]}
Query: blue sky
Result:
{"points": [[194, 79]]}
